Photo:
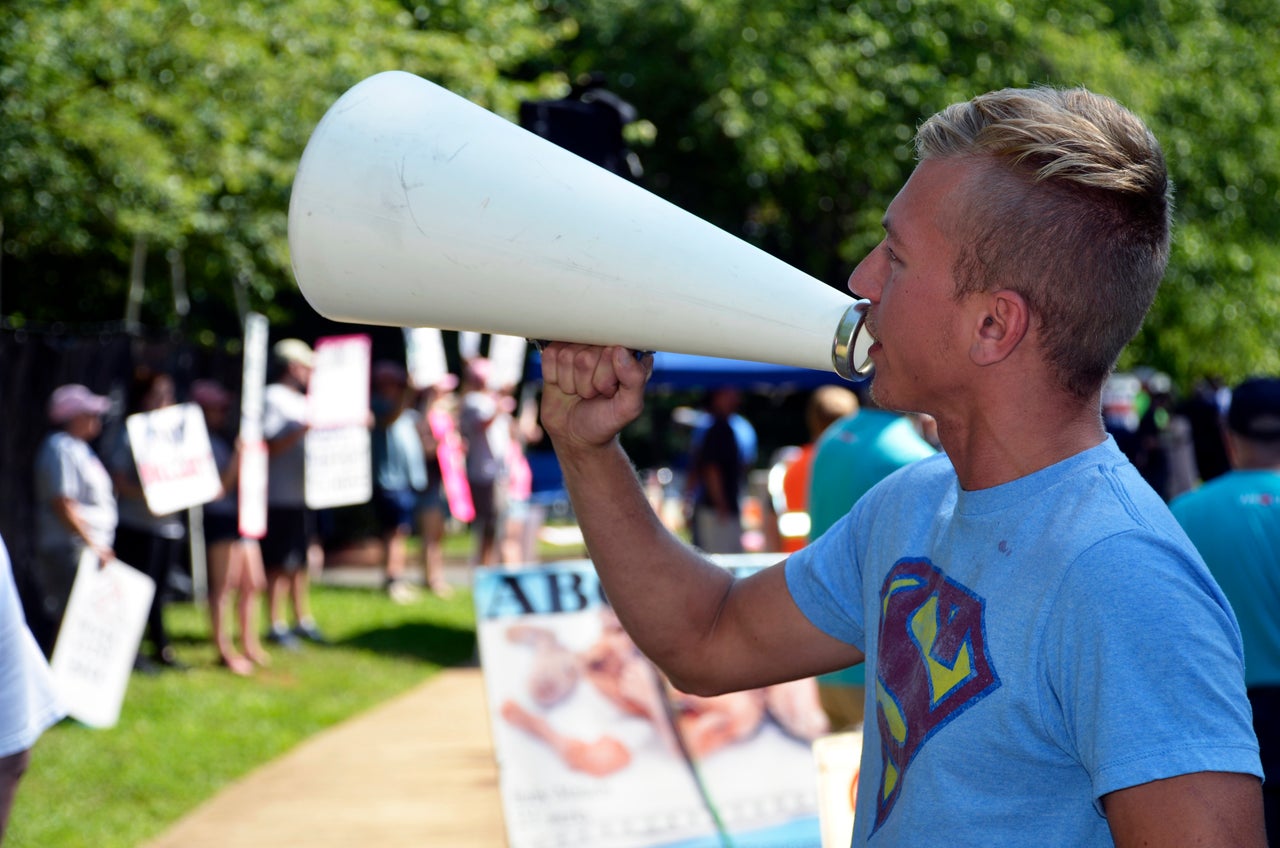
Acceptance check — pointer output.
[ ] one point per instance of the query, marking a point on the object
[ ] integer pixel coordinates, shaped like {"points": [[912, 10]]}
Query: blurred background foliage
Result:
{"points": [[158, 138]]}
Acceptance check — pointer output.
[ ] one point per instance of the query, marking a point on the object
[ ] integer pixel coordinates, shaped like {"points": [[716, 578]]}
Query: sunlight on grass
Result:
{"points": [[182, 736]]}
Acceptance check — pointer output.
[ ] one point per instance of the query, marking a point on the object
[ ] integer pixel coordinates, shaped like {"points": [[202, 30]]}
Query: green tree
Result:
{"points": [[171, 130], [162, 136]]}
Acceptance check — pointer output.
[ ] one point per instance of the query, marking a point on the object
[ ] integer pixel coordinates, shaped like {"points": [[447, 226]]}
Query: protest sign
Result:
{"points": [[424, 354], [596, 749], [839, 758], [506, 361], [174, 459], [338, 455], [99, 639], [252, 481]]}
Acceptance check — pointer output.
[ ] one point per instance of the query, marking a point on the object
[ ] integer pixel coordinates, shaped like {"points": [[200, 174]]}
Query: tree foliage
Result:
{"points": [[178, 124]]}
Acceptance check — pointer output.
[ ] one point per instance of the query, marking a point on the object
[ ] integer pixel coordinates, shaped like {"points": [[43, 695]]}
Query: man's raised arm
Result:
{"points": [[706, 630]]}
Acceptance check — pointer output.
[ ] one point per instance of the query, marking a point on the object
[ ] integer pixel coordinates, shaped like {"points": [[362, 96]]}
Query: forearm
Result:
{"points": [[69, 514], [666, 595], [284, 442]]}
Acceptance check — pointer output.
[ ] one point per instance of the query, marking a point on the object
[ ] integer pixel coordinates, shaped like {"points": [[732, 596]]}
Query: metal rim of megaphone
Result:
{"points": [[853, 341]]}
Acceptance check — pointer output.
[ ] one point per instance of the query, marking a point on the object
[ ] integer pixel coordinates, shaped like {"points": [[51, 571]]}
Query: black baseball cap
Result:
{"points": [[1255, 409]]}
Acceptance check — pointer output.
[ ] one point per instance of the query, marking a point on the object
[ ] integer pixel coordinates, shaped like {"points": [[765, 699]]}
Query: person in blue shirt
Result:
{"points": [[1053, 664], [1234, 521], [399, 471]]}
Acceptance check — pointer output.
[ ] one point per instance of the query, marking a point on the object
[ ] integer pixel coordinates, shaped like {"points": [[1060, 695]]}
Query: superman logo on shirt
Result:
{"points": [[932, 666]]}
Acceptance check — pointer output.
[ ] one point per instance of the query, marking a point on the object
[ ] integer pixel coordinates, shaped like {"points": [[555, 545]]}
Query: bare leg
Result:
{"points": [[300, 594], [223, 567], [432, 522], [278, 585], [12, 768], [487, 542], [251, 584], [397, 555]]}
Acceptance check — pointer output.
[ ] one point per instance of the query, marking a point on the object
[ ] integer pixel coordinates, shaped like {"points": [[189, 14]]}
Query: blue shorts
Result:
{"points": [[395, 509]]}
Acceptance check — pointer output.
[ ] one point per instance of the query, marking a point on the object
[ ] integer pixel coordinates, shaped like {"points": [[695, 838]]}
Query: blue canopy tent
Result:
{"points": [[682, 371], [688, 371]]}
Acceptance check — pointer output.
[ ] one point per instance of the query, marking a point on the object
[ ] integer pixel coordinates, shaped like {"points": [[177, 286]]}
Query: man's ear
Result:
{"points": [[1002, 325]]}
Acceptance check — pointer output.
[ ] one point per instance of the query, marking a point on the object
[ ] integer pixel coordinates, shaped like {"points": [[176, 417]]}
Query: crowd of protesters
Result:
{"points": [[438, 456]]}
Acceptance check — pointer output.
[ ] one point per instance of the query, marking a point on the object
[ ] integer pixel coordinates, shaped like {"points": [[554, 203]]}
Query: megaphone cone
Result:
{"points": [[412, 206]]}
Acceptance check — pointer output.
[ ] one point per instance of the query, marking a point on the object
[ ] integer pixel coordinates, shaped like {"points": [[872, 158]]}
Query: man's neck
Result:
{"points": [[1001, 442]]}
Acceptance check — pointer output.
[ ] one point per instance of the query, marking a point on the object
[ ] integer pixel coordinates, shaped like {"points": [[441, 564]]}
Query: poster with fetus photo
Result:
{"points": [[595, 748]]}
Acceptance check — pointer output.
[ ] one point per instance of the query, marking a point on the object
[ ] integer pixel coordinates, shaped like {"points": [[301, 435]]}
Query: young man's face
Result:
{"points": [[908, 279]]}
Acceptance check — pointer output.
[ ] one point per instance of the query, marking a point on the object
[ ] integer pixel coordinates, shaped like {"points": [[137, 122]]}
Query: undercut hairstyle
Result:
{"points": [[1070, 207]]}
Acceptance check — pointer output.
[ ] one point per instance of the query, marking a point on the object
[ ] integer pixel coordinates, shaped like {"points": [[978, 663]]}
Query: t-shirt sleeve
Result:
{"points": [[825, 581], [58, 473], [1145, 667]]}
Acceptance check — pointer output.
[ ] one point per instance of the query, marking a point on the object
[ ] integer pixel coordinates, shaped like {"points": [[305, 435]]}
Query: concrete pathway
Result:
{"points": [[416, 771]]}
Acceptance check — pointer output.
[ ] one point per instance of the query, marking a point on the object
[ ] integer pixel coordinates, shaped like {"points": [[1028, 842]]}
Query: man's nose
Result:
{"points": [[865, 281]]}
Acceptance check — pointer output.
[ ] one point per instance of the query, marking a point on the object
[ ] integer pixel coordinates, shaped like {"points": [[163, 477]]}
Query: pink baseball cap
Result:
{"points": [[73, 399], [209, 393]]}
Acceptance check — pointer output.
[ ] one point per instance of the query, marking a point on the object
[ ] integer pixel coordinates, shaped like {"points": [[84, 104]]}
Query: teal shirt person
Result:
{"points": [[1234, 522], [851, 456]]}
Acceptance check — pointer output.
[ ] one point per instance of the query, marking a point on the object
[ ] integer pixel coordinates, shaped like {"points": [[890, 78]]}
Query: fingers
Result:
{"points": [[589, 371]]}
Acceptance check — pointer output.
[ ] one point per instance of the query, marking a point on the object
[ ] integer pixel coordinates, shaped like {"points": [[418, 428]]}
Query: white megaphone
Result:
{"points": [[413, 207]]}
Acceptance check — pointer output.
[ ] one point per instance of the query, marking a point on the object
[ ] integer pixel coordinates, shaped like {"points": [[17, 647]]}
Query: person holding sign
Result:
{"points": [[148, 542], [447, 493], [290, 524], [75, 503], [1053, 662], [235, 563]]}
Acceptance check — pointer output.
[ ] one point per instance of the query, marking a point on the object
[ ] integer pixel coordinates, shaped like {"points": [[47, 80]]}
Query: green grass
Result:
{"points": [[183, 736]]}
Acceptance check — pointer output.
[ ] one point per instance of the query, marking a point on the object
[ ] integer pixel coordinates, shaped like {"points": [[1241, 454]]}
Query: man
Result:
{"points": [[290, 524], [1053, 663], [1234, 521], [717, 474]]}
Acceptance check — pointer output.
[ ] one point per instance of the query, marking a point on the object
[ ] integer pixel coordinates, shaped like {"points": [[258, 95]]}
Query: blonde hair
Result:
{"points": [[1071, 208]]}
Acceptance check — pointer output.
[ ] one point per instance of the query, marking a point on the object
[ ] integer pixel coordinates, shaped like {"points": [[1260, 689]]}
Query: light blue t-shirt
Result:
{"points": [[1034, 646], [399, 462], [1234, 521], [850, 457]]}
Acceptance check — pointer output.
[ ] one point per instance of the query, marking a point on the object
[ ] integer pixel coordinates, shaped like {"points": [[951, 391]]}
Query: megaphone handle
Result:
{"points": [[539, 344]]}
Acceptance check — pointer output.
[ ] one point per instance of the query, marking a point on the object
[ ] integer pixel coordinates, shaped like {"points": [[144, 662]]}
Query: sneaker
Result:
{"points": [[166, 658], [146, 665], [283, 636], [401, 592], [309, 631]]}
